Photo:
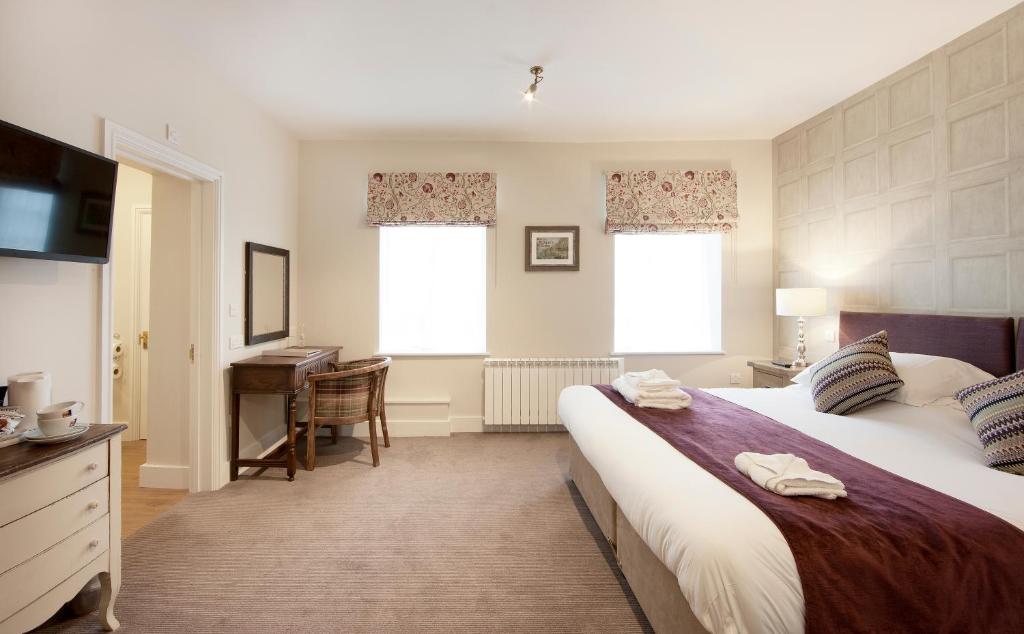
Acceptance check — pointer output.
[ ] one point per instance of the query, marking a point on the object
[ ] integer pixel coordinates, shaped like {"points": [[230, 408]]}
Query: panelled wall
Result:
{"points": [[909, 196]]}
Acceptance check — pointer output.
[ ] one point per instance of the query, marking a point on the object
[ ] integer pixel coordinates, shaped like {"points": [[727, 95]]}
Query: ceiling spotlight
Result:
{"points": [[531, 90]]}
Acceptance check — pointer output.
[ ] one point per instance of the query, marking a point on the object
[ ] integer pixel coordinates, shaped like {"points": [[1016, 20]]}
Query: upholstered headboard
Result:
{"points": [[1020, 344], [985, 342]]}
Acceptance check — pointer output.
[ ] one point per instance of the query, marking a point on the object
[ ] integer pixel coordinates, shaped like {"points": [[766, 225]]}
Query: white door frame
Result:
{"points": [[206, 420]]}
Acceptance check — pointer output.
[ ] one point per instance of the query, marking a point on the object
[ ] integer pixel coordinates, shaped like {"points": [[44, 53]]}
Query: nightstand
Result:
{"points": [[767, 374]]}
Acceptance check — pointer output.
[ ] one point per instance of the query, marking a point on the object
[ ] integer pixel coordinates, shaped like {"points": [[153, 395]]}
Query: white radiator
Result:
{"points": [[522, 394]]}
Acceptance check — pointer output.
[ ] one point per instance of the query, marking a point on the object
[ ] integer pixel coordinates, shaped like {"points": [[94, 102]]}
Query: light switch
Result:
{"points": [[235, 342], [172, 135], [232, 310]]}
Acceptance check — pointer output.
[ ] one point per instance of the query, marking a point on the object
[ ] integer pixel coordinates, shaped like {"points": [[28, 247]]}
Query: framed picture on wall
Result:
{"points": [[553, 248]]}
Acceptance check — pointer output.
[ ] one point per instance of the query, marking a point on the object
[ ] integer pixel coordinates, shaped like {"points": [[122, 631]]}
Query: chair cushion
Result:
{"points": [[855, 376], [996, 409], [344, 397]]}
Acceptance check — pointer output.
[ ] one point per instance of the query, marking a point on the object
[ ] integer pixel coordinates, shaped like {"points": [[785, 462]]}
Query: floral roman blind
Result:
{"points": [[432, 198], [677, 201]]}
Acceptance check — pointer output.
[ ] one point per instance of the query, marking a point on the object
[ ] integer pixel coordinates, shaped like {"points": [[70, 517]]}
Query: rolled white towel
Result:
{"points": [[675, 399], [652, 380], [785, 474]]}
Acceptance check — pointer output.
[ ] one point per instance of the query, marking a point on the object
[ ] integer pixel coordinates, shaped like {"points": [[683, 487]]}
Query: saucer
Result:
{"points": [[37, 437]]}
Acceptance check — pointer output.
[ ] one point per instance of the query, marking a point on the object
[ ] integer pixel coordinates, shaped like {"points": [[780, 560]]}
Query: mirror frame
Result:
{"points": [[250, 249]]}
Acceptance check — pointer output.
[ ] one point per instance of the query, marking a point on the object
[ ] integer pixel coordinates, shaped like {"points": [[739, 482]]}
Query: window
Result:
{"points": [[432, 290], [668, 292]]}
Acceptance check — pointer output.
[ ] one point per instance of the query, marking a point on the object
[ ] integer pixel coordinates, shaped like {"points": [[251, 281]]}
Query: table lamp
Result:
{"points": [[800, 303]]}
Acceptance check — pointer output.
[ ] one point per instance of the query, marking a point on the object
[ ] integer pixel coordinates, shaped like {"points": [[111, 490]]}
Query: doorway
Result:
{"points": [[150, 247], [184, 379]]}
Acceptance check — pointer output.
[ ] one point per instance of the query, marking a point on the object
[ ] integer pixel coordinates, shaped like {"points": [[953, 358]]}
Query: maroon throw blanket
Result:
{"points": [[894, 556]]}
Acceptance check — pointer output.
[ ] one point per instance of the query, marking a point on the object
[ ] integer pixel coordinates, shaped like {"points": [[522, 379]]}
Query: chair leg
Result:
{"points": [[310, 445], [384, 426], [334, 434], [373, 441]]}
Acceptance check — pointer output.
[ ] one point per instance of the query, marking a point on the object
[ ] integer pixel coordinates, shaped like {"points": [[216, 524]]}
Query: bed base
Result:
{"points": [[655, 587]]}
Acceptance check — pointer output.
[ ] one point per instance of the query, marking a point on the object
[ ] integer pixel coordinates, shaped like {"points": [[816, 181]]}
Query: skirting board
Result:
{"points": [[163, 476], [414, 428]]}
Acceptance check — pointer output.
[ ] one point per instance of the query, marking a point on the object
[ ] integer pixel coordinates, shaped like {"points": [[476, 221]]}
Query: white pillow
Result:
{"points": [[928, 378], [804, 378]]}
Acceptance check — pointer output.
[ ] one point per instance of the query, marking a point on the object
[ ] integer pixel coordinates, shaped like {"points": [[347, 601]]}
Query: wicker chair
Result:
{"points": [[352, 394]]}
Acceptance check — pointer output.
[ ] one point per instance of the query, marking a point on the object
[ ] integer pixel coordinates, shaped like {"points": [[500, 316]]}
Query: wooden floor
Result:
{"points": [[140, 506]]}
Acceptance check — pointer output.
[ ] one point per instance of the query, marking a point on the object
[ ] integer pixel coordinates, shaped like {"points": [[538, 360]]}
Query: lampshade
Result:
{"points": [[801, 302]]}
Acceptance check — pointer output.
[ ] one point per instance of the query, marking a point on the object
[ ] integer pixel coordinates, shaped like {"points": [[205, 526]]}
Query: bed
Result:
{"points": [[699, 556]]}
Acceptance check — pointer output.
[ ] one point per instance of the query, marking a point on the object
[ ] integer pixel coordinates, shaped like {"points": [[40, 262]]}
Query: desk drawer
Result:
{"points": [[25, 583], [24, 494], [34, 533], [320, 366]]}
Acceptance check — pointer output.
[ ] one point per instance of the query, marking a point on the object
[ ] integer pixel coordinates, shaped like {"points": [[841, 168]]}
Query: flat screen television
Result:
{"points": [[56, 201]]}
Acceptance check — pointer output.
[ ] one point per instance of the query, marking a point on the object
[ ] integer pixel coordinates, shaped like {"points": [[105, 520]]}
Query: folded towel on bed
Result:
{"points": [[785, 474], [652, 380], [665, 403], [673, 398]]}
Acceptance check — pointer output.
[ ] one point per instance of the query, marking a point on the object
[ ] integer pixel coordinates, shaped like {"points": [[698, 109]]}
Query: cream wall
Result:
{"points": [[134, 189], [67, 65], [909, 195], [538, 314]]}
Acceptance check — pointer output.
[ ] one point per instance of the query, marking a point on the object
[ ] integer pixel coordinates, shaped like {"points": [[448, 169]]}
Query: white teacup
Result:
{"points": [[60, 410], [56, 426]]}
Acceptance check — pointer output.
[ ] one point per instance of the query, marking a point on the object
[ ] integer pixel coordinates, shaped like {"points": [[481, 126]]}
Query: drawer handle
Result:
{"points": [[92, 466], [94, 544], [93, 505]]}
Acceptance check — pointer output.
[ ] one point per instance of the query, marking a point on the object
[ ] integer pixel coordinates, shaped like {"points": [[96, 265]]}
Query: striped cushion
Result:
{"points": [[855, 376], [996, 409], [345, 397]]}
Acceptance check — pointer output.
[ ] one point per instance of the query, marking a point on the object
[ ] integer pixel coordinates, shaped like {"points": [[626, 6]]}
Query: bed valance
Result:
{"points": [[674, 201], [432, 198]]}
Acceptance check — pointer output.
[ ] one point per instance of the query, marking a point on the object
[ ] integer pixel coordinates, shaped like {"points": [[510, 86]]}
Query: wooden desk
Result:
{"points": [[274, 375]]}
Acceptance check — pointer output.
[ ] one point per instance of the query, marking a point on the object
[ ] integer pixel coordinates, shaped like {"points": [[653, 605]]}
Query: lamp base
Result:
{"points": [[801, 346]]}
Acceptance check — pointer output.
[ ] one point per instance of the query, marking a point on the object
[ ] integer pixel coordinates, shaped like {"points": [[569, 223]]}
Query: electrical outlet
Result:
{"points": [[172, 135], [735, 378], [235, 342]]}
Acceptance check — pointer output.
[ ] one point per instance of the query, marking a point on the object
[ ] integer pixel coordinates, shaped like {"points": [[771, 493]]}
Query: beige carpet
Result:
{"points": [[478, 532]]}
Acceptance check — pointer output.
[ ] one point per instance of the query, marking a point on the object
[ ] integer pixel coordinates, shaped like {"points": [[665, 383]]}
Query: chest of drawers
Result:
{"points": [[60, 526]]}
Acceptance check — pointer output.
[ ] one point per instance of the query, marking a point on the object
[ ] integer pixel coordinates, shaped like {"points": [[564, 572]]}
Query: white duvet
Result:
{"points": [[734, 566]]}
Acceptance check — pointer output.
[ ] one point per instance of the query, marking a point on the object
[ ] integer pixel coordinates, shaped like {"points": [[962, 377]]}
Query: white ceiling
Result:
{"points": [[614, 71]]}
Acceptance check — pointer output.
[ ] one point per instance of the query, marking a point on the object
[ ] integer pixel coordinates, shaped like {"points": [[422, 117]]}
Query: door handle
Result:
{"points": [[144, 339]]}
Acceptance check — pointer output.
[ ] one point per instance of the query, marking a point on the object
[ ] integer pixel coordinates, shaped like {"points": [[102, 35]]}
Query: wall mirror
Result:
{"points": [[266, 293]]}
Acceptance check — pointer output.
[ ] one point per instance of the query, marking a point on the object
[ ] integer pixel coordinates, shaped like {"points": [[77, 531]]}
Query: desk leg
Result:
{"points": [[236, 405], [291, 437]]}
